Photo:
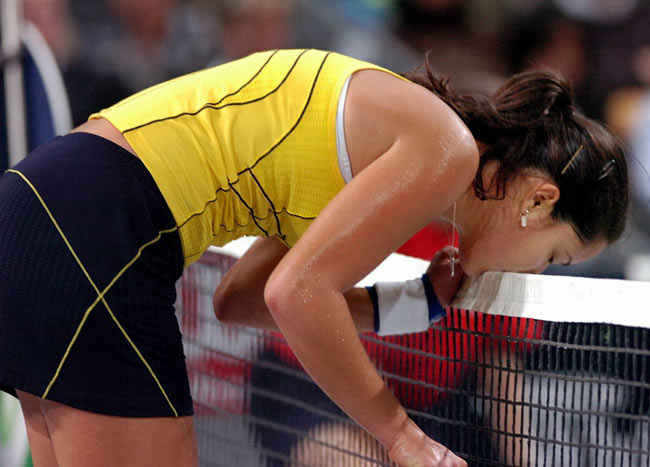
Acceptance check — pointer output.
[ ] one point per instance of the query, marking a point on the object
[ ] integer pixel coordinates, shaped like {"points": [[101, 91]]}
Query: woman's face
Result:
{"points": [[494, 239], [528, 250]]}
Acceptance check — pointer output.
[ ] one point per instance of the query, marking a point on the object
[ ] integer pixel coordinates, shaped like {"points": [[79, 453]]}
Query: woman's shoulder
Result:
{"points": [[383, 109]]}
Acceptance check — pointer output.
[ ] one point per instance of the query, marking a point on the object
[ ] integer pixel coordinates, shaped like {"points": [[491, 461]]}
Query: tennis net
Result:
{"points": [[511, 384]]}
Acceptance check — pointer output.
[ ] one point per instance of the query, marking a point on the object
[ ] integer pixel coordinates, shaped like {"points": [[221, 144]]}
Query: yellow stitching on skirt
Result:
{"points": [[100, 295]]}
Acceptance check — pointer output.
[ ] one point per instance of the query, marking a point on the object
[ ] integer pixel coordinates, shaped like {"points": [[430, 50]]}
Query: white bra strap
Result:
{"points": [[341, 148]]}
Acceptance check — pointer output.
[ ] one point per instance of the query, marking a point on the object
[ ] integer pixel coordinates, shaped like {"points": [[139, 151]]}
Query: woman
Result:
{"points": [[91, 248]]}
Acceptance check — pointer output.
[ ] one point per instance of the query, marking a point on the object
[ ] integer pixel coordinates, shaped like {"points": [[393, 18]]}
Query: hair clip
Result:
{"points": [[575, 154], [607, 169]]}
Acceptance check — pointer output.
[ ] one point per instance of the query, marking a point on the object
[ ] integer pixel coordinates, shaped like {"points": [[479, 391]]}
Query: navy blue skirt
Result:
{"points": [[89, 258]]}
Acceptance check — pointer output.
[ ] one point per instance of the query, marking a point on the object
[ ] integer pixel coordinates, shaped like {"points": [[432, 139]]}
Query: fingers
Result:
{"points": [[445, 254], [418, 450], [439, 271], [451, 460], [450, 251], [444, 457]]}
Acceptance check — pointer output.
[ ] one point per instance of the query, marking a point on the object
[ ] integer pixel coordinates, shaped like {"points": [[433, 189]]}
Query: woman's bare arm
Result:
{"points": [[239, 298], [428, 166]]}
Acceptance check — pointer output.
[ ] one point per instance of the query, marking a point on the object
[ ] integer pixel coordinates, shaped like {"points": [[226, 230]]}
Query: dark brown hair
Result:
{"points": [[531, 122]]}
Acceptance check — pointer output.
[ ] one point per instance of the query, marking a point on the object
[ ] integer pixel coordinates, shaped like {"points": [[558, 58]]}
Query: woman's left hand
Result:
{"points": [[439, 272]]}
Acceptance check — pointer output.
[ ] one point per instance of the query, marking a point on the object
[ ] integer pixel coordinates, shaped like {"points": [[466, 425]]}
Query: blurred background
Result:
{"points": [[64, 59], [108, 49]]}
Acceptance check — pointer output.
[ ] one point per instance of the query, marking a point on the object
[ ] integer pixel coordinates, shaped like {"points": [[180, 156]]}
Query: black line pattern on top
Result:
{"points": [[284, 210], [250, 210], [216, 106], [268, 198], [302, 114], [225, 228], [205, 207], [292, 214]]}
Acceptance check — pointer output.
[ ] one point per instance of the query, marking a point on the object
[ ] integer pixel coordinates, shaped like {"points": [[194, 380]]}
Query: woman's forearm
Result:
{"points": [[239, 298], [249, 309], [323, 325]]}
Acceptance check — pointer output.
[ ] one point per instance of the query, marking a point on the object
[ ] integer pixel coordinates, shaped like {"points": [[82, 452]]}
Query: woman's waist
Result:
{"points": [[103, 128]]}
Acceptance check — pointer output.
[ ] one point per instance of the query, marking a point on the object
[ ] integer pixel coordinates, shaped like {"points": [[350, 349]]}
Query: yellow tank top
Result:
{"points": [[244, 148]]}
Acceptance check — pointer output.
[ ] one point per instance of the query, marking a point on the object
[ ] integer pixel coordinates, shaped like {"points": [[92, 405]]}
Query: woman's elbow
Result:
{"points": [[281, 298], [220, 307], [229, 307]]}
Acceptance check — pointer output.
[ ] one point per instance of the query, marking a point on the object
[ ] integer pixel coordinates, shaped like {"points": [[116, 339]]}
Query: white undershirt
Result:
{"points": [[341, 148]]}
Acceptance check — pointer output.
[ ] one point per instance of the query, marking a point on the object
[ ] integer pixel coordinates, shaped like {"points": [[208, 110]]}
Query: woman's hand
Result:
{"points": [[415, 449], [439, 273]]}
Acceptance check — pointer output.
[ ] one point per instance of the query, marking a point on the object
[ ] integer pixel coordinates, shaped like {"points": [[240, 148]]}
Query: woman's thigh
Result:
{"points": [[38, 434], [81, 438]]}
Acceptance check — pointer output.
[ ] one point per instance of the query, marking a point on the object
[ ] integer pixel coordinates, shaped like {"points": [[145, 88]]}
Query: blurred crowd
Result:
{"points": [[108, 49]]}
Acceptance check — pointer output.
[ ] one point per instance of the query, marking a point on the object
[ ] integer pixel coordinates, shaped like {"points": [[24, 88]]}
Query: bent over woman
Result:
{"points": [[335, 163]]}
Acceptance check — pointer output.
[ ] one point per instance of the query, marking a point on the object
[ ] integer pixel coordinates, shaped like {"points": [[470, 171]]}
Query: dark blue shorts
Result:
{"points": [[89, 258]]}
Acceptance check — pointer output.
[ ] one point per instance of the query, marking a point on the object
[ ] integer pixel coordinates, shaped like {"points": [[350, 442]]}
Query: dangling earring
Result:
{"points": [[524, 219]]}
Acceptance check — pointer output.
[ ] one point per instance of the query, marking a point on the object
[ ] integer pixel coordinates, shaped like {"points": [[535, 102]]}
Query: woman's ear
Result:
{"points": [[546, 195], [541, 196]]}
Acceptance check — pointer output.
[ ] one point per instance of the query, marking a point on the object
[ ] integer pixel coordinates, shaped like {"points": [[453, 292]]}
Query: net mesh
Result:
{"points": [[496, 390]]}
